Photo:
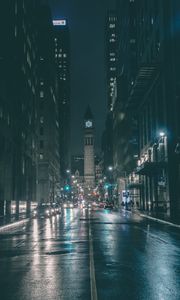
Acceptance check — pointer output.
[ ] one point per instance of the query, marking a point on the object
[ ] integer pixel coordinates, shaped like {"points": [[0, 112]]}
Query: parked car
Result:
{"points": [[42, 211]]}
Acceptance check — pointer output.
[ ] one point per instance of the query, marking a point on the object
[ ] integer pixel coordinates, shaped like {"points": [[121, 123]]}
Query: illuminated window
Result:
{"points": [[41, 156], [15, 8], [28, 59], [41, 119], [132, 41], [15, 31], [41, 94], [112, 25]]}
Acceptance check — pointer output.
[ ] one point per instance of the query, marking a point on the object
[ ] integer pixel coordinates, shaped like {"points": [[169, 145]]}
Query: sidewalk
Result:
{"points": [[158, 217], [13, 221]]}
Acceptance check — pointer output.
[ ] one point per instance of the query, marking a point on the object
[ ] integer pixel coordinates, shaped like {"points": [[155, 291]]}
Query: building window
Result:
{"points": [[28, 59], [41, 130], [1, 113], [41, 119], [23, 166], [15, 31], [132, 41], [15, 8], [41, 144], [41, 94], [41, 156]]}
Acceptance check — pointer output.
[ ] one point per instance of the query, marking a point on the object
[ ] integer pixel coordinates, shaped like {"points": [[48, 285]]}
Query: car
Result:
{"points": [[86, 205], [68, 204], [55, 209], [101, 204], [108, 205], [42, 211]]}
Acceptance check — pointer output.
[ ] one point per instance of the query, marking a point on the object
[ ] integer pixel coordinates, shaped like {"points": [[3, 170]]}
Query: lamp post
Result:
{"points": [[110, 188]]}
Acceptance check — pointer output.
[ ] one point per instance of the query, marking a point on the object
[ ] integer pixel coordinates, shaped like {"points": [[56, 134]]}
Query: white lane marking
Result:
{"points": [[92, 268]]}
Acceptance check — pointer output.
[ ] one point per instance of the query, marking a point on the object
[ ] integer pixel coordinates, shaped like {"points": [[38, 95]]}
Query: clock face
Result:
{"points": [[88, 124]]}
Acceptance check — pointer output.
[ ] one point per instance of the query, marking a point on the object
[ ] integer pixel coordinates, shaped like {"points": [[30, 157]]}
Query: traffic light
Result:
{"points": [[107, 185], [67, 187]]}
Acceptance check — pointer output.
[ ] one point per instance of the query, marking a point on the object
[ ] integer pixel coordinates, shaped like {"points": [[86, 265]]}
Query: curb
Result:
{"points": [[13, 225], [153, 218], [159, 220]]}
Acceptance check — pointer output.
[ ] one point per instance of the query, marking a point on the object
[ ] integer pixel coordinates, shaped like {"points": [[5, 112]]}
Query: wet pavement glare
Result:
{"points": [[90, 254]]}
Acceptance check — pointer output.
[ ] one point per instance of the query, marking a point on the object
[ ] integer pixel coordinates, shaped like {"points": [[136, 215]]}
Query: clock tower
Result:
{"points": [[89, 168]]}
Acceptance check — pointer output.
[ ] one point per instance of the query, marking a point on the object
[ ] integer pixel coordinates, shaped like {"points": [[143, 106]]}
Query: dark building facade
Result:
{"points": [[62, 59], [111, 78], [21, 104], [150, 101], [18, 104], [48, 172]]}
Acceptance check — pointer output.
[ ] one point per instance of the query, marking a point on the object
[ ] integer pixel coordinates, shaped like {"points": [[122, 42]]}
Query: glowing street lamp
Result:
{"points": [[162, 134]]}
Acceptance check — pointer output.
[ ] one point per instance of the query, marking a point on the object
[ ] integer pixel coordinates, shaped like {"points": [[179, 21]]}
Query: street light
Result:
{"points": [[110, 188], [110, 168], [162, 134]]}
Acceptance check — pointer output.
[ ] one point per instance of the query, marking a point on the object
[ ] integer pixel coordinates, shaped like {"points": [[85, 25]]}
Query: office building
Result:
{"points": [[62, 60]]}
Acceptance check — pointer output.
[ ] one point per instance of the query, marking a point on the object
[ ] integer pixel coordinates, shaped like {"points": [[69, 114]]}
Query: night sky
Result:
{"points": [[86, 20]]}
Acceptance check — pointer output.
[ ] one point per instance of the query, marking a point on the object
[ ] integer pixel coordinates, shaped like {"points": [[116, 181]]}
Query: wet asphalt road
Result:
{"points": [[93, 255]]}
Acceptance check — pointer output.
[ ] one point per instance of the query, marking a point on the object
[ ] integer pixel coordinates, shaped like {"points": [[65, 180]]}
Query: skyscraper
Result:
{"points": [[111, 81], [111, 56], [48, 120], [62, 59]]}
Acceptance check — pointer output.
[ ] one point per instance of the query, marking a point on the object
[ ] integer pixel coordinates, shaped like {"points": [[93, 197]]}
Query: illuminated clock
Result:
{"points": [[88, 124]]}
